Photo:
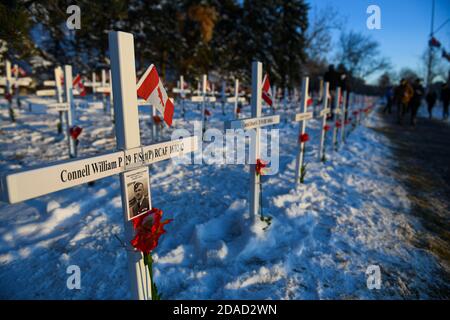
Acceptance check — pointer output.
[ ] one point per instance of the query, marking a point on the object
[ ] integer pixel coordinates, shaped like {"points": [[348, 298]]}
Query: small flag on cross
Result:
{"points": [[78, 84], [151, 89], [266, 90]]}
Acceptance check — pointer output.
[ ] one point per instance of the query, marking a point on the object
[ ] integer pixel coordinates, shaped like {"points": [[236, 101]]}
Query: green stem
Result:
{"points": [[154, 290]]}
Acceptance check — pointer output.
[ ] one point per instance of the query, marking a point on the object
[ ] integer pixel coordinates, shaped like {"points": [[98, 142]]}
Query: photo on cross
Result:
{"points": [[138, 192]]}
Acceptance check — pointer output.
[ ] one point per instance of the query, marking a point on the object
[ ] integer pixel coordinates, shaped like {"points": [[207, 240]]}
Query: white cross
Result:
{"points": [[324, 113], [255, 122], [236, 97], [223, 95], [182, 92], [11, 82], [61, 105], [204, 83], [343, 113], [129, 159], [94, 84], [338, 112], [302, 117], [111, 96]]}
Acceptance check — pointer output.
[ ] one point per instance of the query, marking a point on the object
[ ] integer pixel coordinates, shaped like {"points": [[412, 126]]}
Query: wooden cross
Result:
{"points": [[236, 98], [302, 117], [223, 96], [130, 160], [182, 92], [203, 123], [324, 113], [343, 117], [337, 111], [10, 83], [255, 122], [62, 106]]}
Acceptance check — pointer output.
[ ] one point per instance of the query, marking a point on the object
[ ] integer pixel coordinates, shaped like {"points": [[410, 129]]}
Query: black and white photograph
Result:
{"points": [[137, 192]]}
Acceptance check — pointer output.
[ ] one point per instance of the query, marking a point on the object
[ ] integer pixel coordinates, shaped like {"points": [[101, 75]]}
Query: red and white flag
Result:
{"points": [[78, 85], [18, 70], [266, 90], [151, 89]]}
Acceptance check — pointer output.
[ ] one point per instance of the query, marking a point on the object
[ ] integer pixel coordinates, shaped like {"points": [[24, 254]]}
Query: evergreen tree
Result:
{"points": [[275, 33]]}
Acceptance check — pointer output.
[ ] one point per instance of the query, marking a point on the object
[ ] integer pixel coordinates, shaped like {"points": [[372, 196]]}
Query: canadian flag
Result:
{"points": [[266, 90], [78, 84], [434, 42], [151, 89], [19, 70]]}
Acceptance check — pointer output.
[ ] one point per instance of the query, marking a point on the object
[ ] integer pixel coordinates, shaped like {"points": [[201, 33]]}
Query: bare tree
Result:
{"points": [[385, 80], [438, 70], [360, 54], [408, 74], [318, 38], [318, 41]]}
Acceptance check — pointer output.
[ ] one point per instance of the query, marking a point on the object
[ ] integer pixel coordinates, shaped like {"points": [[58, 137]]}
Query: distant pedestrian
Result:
{"points": [[431, 99], [389, 95], [445, 98], [405, 93], [333, 79], [416, 100]]}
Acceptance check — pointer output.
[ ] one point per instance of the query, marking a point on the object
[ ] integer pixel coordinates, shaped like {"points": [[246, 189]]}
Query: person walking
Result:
{"points": [[431, 99], [405, 92], [416, 100], [389, 95], [445, 98]]}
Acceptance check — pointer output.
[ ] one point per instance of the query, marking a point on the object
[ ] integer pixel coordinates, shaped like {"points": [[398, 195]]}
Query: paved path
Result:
{"points": [[423, 167]]}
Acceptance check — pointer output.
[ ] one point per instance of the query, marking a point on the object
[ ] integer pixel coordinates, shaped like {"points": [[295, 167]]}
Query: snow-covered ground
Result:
{"points": [[350, 213]]}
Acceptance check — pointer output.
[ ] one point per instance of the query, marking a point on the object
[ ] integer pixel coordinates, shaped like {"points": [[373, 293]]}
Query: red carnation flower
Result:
{"points": [[326, 127], [304, 137], [8, 97], [260, 165], [75, 132], [309, 102], [157, 119], [148, 230]]}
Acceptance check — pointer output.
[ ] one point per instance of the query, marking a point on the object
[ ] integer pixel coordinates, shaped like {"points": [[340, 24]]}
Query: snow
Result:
{"points": [[350, 213]]}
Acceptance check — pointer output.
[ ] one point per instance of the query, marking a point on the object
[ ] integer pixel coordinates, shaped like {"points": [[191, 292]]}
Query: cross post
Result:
{"points": [[302, 117], [324, 113]]}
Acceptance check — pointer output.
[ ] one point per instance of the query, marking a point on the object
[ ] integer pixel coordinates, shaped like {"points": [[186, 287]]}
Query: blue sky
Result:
{"points": [[405, 26]]}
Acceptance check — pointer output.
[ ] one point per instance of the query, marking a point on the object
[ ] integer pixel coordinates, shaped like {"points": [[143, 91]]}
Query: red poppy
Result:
{"points": [[8, 97], [338, 124], [75, 132], [260, 165], [309, 102], [148, 230], [207, 113], [157, 119], [326, 127], [304, 137]]}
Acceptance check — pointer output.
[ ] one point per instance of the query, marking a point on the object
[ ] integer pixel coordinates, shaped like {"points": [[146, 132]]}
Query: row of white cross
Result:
{"points": [[131, 156]]}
